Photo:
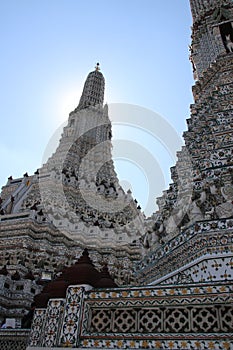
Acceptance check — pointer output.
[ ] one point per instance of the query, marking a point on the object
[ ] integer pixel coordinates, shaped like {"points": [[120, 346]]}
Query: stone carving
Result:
{"points": [[229, 43], [150, 238]]}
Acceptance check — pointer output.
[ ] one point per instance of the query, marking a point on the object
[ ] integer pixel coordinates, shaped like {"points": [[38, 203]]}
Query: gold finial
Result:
{"points": [[97, 67]]}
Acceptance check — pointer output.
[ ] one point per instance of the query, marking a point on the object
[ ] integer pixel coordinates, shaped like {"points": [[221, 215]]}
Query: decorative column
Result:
{"points": [[37, 332], [69, 336], [53, 322]]}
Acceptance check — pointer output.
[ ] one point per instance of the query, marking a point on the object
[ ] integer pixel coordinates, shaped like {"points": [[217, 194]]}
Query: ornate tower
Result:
{"points": [[74, 201], [198, 204], [188, 243], [83, 185]]}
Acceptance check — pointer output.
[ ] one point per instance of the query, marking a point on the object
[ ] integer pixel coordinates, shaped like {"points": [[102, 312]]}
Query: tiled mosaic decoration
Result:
{"points": [[36, 335], [139, 318], [71, 321], [154, 320], [212, 269], [185, 317], [13, 339], [168, 344], [204, 239], [53, 320]]}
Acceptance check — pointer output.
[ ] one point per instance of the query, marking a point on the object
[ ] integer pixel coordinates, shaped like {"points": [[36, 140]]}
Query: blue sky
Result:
{"points": [[49, 46]]}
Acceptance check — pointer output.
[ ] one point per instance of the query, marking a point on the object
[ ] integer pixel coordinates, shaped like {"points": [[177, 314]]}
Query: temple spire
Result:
{"points": [[93, 90]]}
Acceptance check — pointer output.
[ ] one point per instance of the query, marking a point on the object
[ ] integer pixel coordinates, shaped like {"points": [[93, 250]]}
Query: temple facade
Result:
{"points": [[98, 273]]}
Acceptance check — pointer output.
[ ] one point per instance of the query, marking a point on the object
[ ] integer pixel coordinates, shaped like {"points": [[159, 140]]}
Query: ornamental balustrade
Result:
{"points": [[137, 317]]}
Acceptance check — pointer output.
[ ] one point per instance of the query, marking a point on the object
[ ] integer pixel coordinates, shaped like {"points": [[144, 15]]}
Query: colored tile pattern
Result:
{"points": [[204, 238], [72, 314], [161, 343], [37, 327], [212, 269], [53, 320]]}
